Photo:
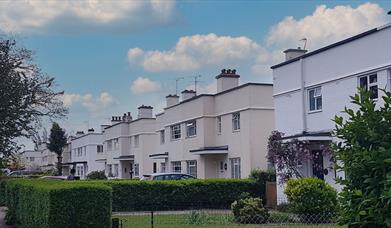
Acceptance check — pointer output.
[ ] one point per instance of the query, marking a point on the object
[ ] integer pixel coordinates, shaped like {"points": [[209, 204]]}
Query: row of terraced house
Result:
{"points": [[224, 135]]}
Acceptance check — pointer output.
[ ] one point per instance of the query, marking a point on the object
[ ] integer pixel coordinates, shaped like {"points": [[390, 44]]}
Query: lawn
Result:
{"points": [[207, 220]]}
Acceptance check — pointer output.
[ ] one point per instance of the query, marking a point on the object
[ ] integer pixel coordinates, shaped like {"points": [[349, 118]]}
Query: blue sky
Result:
{"points": [[112, 56]]}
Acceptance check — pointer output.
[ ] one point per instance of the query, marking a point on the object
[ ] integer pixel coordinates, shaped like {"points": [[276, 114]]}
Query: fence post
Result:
{"points": [[151, 219]]}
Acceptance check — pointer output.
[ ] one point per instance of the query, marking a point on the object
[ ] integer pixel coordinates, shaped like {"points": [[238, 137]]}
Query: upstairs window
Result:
{"points": [[219, 125], [315, 99], [369, 83], [175, 132], [162, 137], [191, 128], [109, 145], [236, 121], [115, 144], [99, 148]]}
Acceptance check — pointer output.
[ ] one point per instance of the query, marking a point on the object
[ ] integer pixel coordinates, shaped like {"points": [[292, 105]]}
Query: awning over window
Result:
{"points": [[311, 136], [210, 150], [125, 158], [159, 155]]}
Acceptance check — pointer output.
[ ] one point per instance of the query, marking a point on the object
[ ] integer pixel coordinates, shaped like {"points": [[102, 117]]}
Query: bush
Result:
{"points": [[283, 207], [365, 152], [44, 204], [311, 197], [186, 194], [262, 176], [249, 211], [97, 175]]}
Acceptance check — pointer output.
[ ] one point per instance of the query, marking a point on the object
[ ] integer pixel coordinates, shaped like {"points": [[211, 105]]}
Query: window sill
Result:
{"points": [[173, 140], [314, 111], [234, 131], [192, 136]]}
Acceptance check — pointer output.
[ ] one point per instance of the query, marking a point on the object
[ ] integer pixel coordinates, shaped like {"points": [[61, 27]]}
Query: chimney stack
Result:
{"points": [[227, 79], [115, 119], [144, 112], [187, 94], [172, 100], [294, 53]]}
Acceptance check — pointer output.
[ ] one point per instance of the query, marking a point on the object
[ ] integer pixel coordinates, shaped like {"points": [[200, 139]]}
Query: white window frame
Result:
{"points": [[174, 165], [163, 167], [235, 168], [162, 137], [136, 141], [191, 168], [317, 91], [236, 121], [218, 120], [115, 171], [191, 128], [370, 84], [175, 132]]}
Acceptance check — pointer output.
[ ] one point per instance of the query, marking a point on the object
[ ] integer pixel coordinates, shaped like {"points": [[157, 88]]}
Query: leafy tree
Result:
{"points": [[287, 155], [57, 141], [365, 154], [26, 96]]}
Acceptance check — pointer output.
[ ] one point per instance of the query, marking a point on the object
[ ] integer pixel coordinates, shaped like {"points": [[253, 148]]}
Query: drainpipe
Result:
{"points": [[302, 84]]}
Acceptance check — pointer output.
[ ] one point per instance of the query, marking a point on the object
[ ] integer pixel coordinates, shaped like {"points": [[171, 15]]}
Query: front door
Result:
{"points": [[317, 164]]}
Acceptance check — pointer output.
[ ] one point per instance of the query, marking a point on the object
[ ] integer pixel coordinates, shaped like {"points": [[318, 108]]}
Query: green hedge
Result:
{"points": [[45, 204], [162, 195]]}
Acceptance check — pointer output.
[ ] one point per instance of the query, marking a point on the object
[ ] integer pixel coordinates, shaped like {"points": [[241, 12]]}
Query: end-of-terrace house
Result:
{"points": [[48, 158], [222, 135], [127, 143], [311, 88], [86, 147], [31, 160]]}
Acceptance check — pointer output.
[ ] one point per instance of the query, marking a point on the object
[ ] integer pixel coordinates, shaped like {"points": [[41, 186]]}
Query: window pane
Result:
{"points": [[319, 103], [373, 78], [374, 92], [312, 100], [364, 82]]}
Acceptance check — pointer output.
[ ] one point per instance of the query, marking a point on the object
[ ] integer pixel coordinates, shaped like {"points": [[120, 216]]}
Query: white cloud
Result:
{"points": [[87, 100], [144, 85], [193, 52], [69, 15], [326, 25]]}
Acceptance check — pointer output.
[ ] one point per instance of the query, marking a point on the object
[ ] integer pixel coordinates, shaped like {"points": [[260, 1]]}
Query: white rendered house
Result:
{"points": [[311, 88], [85, 150], [127, 144], [31, 159], [222, 135]]}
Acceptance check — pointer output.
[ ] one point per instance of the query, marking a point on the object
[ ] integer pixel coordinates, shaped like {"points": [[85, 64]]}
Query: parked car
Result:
{"points": [[54, 177], [19, 173], [167, 176], [5, 171]]}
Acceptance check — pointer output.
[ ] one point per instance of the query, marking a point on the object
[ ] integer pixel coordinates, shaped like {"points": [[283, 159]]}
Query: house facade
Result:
{"points": [[48, 158], [31, 160], [311, 88], [127, 144], [85, 148], [222, 135]]}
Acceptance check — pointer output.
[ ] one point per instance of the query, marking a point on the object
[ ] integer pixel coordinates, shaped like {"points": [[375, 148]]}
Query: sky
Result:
{"points": [[110, 57]]}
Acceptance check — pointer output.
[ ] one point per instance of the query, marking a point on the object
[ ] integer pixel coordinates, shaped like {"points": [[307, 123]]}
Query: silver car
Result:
{"points": [[167, 176]]}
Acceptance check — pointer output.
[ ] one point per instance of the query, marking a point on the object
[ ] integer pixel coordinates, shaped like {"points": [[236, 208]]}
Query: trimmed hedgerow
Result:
{"points": [[162, 195], [44, 204]]}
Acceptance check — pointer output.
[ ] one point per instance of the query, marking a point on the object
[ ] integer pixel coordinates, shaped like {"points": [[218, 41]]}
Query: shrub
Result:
{"points": [[262, 176], [197, 218], [97, 175], [283, 207], [186, 194], [311, 197], [44, 204], [249, 211], [365, 152]]}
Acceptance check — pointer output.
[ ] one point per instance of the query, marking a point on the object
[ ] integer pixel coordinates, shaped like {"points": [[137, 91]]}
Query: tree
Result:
{"points": [[287, 155], [26, 96], [57, 141], [364, 152]]}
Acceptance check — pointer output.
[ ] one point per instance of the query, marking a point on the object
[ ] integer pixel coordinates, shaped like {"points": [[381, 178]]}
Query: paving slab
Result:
{"points": [[2, 216]]}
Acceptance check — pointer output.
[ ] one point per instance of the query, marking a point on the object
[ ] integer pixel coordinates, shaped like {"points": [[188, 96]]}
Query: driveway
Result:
{"points": [[2, 216]]}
